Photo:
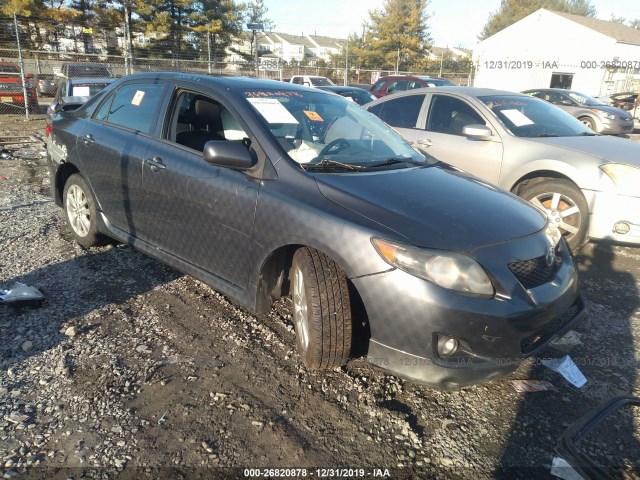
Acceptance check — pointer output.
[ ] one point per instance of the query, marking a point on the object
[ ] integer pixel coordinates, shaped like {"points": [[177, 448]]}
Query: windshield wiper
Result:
{"points": [[392, 161], [546, 135], [328, 164], [587, 134]]}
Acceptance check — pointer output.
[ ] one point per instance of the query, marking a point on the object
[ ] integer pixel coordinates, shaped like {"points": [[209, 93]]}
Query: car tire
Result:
{"points": [[80, 212], [565, 206], [321, 310], [588, 122]]}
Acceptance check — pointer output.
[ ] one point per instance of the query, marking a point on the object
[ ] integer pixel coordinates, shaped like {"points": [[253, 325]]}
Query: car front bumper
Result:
{"points": [[408, 315], [608, 209], [616, 126]]}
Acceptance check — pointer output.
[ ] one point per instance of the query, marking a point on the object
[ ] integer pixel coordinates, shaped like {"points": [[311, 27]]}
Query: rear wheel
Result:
{"points": [[321, 310], [80, 212], [565, 206]]}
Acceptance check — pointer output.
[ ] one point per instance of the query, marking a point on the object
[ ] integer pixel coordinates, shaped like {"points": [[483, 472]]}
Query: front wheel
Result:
{"points": [[588, 122], [565, 206], [80, 212], [321, 310]]}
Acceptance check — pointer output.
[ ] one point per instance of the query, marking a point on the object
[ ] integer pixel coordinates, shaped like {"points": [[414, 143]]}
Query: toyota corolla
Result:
{"points": [[263, 189]]}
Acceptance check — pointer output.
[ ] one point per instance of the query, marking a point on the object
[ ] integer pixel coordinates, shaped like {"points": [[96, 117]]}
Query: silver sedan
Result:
{"points": [[588, 184]]}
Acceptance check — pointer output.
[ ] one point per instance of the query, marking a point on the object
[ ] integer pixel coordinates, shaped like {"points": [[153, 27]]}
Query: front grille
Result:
{"points": [[535, 272]]}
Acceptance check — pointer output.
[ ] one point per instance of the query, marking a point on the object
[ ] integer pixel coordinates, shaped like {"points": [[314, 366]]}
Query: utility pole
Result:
{"points": [[127, 33], [398, 61], [346, 66], [209, 51], [22, 75], [254, 27]]}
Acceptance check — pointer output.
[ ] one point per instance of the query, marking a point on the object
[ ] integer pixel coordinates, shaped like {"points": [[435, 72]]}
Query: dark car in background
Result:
{"points": [[263, 189], [399, 83], [11, 91], [355, 94], [73, 92], [85, 69], [593, 113]]}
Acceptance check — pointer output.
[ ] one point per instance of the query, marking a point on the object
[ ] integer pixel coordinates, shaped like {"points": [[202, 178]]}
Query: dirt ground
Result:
{"points": [[130, 369]]}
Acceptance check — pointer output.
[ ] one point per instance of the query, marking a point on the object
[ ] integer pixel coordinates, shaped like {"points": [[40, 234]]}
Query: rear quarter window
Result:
{"points": [[132, 106]]}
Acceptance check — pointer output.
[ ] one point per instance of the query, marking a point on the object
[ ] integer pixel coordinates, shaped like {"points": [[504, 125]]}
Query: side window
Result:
{"points": [[133, 106], [378, 86], [197, 119], [297, 80], [397, 86], [414, 84], [103, 111], [400, 112], [450, 115]]}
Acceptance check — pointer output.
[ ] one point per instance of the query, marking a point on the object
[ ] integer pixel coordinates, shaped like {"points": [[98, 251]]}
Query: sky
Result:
{"points": [[453, 22]]}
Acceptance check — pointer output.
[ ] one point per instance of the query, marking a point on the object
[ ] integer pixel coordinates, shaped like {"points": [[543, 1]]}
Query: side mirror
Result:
{"points": [[477, 131], [223, 153], [566, 103]]}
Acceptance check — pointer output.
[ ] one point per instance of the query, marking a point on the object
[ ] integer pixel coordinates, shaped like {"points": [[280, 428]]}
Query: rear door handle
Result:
{"points": [[88, 138], [155, 163], [425, 142]]}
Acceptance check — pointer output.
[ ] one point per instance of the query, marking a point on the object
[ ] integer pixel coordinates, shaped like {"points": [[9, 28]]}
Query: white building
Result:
{"points": [[553, 49]]}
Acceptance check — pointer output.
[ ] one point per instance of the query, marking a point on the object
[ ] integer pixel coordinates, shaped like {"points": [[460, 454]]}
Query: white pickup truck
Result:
{"points": [[311, 81]]}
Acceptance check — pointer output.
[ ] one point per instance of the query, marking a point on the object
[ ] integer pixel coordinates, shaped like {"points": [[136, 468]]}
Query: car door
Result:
{"points": [[112, 145], [401, 113], [441, 136], [200, 213]]}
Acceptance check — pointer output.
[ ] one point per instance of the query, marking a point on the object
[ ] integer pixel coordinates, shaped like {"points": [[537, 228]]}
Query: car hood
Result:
{"points": [[435, 207], [606, 148], [609, 109]]}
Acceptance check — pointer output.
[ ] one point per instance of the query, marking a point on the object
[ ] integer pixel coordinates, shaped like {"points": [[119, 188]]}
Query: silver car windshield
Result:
{"points": [[316, 127], [530, 117]]}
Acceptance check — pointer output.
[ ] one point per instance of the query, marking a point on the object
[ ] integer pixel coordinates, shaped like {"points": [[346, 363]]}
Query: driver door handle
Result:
{"points": [[88, 138], [155, 163], [425, 142]]}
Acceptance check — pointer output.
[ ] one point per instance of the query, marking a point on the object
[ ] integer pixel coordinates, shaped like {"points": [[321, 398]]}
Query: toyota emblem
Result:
{"points": [[550, 257]]}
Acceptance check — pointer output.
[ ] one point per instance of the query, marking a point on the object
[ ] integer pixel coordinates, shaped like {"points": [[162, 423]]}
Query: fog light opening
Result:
{"points": [[448, 346], [621, 228]]}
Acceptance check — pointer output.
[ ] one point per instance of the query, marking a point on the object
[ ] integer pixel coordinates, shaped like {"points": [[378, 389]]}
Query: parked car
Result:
{"points": [[593, 113], [399, 83], [46, 85], [73, 92], [355, 94], [264, 189], [11, 91], [587, 183], [625, 100], [311, 81], [85, 69]]}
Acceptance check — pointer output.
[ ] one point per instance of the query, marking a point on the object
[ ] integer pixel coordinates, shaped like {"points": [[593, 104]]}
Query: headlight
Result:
{"points": [[553, 233], [604, 114], [449, 270], [626, 178]]}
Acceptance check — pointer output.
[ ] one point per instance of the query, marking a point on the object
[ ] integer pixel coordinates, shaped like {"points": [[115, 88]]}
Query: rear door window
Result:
{"points": [[133, 106], [401, 112]]}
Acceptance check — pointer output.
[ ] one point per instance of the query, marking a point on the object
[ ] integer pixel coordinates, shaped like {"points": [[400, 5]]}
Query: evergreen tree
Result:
{"points": [[256, 12], [510, 11], [397, 35]]}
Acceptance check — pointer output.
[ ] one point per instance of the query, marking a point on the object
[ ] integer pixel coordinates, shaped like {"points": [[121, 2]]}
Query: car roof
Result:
{"points": [[471, 91], [217, 81]]}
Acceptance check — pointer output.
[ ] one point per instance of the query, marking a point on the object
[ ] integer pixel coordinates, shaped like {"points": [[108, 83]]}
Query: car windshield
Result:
{"points": [[87, 89], [320, 81], [438, 82], [531, 117], [317, 128], [583, 99]]}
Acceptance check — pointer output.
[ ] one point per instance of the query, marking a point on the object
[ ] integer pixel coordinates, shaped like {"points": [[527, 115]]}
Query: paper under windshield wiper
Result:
{"points": [[328, 164]]}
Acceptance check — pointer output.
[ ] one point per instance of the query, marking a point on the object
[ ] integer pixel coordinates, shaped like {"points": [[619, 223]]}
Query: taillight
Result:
{"points": [[48, 129]]}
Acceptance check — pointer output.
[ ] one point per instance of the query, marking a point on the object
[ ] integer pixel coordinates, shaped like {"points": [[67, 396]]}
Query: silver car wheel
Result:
{"points": [[562, 211], [300, 311], [78, 210]]}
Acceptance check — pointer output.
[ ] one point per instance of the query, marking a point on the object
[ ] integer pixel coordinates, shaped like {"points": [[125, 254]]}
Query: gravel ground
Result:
{"points": [[130, 369]]}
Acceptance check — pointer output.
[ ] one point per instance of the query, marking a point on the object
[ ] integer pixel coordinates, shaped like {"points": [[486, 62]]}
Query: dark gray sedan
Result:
{"points": [[264, 189], [593, 113]]}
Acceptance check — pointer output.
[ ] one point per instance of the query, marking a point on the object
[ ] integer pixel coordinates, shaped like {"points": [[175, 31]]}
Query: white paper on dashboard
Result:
{"points": [[80, 91], [272, 110], [518, 118]]}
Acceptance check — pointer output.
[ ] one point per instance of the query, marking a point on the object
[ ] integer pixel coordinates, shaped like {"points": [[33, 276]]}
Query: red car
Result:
{"points": [[400, 83], [11, 92]]}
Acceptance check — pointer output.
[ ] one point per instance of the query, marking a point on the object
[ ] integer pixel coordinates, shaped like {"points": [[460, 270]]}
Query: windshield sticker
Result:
{"points": [[81, 91], [313, 116], [518, 118], [272, 110], [137, 98]]}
